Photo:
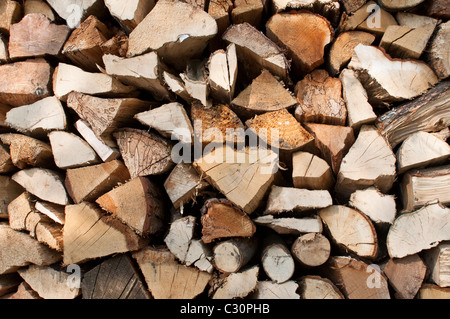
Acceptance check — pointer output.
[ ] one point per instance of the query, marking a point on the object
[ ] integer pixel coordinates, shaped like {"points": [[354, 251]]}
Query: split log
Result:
{"points": [[14, 256], [247, 11], [359, 110], [25, 150], [89, 183], [422, 229], [129, 13], [380, 208], [428, 113], [419, 187], [176, 41], [170, 120], [196, 82], [106, 115], [257, 52], [406, 275], [431, 291], [437, 52], [223, 70], [320, 99], [341, 50], [43, 183], [115, 278], [303, 35], [437, 260], [232, 178], [176, 85], [329, 9], [369, 162], [311, 250], [144, 214], [68, 78], [421, 149], [6, 164], [166, 278], [404, 42], [50, 234], [351, 230], [437, 9], [130, 71], [53, 211], [117, 45], [183, 185], [229, 256], [9, 190], [105, 152], [38, 118], [75, 12], [36, 36], [235, 285], [399, 5], [316, 287], [49, 283], [289, 199], [11, 12], [290, 225], [281, 130], [32, 82], [276, 259], [18, 211], [264, 94], [200, 255], [71, 151], [413, 20], [179, 237], [398, 79], [311, 172], [83, 47], [144, 153], [220, 10], [99, 235], [333, 142], [222, 219], [357, 279], [271, 290], [38, 6]]}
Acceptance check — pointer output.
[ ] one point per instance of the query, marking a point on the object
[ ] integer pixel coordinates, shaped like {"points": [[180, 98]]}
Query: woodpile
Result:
{"points": [[224, 149]]}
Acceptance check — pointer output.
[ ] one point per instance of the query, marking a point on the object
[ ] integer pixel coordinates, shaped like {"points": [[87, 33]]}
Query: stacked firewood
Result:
{"points": [[224, 149]]}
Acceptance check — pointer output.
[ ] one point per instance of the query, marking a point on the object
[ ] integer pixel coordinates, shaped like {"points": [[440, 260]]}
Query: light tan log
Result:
{"points": [[38, 6], [6, 164], [256, 52], [406, 275], [437, 260], [290, 225], [53, 211], [359, 110], [89, 183], [9, 190], [177, 40], [341, 50], [233, 178], [179, 237], [290, 199], [387, 80], [68, 78], [144, 214], [51, 234], [99, 235], [75, 12], [43, 183], [421, 149], [431, 291], [316, 287], [130, 71], [247, 11], [351, 229], [311, 250], [320, 99], [176, 85], [311, 172], [329, 9], [357, 279], [170, 120], [276, 259], [36, 36], [32, 82], [235, 285], [268, 289], [438, 52], [379, 207], [106, 115], [144, 153], [222, 219], [229, 256], [428, 113], [419, 187], [18, 211], [10, 13], [333, 142], [183, 185], [369, 162], [129, 13], [196, 81], [220, 10], [166, 278], [399, 5], [14, 256], [422, 229]]}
